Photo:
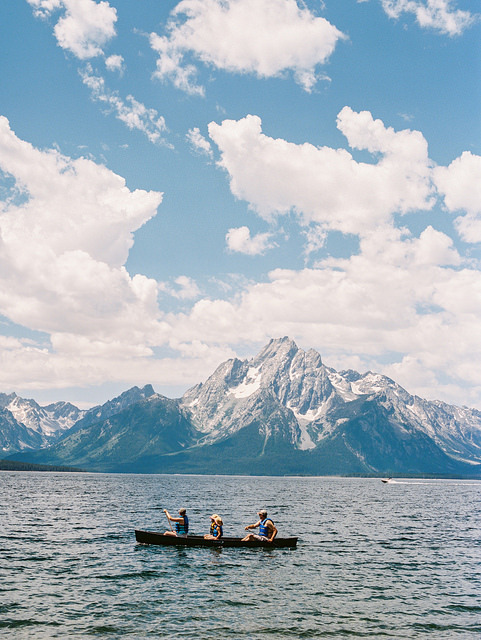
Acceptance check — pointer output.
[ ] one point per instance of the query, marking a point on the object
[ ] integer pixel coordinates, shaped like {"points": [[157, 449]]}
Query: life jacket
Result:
{"points": [[215, 528], [182, 528], [263, 530]]}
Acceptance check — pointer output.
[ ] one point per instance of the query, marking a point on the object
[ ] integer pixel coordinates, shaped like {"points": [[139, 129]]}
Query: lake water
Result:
{"points": [[401, 560]]}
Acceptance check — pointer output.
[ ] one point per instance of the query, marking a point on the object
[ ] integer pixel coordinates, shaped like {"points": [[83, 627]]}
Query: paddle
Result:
{"points": [[170, 523]]}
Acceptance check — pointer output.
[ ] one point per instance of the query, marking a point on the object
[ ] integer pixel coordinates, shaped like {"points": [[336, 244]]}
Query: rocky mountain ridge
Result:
{"points": [[282, 411], [24, 424], [312, 393]]}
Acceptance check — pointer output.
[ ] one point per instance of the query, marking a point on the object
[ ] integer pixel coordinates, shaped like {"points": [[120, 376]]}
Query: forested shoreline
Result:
{"points": [[13, 465]]}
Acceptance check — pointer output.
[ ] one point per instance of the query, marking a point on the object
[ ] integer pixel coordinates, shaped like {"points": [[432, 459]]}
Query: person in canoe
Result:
{"points": [[216, 532], [181, 523], [267, 529]]}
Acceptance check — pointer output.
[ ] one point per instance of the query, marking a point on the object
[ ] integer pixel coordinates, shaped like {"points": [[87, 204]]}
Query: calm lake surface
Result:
{"points": [[401, 560]]}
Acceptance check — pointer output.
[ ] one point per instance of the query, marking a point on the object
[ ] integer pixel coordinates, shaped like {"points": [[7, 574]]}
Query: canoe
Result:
{"points": [[154, 537]]}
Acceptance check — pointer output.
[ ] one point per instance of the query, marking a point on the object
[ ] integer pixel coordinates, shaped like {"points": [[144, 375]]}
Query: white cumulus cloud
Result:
{"points": [[434, 14], [262, 37], [85, 27], [240, 240], [324, 185], [65, 235], [460, 184], [114, 63]]}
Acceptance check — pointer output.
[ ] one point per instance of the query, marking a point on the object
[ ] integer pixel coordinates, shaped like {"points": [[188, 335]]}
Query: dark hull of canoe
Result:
{"points": [[152, 537]]}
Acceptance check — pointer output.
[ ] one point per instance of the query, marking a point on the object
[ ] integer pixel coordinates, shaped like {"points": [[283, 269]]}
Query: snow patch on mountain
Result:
{"points": [[305, 441], [250, 384], [342, 386]]}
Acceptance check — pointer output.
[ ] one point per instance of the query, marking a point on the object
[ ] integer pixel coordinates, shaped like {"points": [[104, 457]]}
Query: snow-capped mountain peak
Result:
{"points": [[48, 420], [24, 424], [312, 394]]}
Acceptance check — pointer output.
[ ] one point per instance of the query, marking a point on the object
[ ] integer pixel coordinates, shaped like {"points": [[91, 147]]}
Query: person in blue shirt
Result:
{"points": [[181, 523], [216, 532], [267, 529]]}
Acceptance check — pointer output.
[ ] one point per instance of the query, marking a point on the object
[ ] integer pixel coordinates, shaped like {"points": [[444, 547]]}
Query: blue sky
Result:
{"points": [[182, 181]]}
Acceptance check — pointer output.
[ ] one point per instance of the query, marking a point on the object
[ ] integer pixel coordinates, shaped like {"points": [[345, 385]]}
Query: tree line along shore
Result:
{"points": [[12, 465]]}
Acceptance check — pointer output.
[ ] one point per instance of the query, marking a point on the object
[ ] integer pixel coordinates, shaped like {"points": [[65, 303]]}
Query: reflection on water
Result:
{"points": [[398, 560]]}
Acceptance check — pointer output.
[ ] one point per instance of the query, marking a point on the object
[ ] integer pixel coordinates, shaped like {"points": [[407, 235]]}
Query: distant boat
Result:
{"points": [[386, 480], [153, 537]]}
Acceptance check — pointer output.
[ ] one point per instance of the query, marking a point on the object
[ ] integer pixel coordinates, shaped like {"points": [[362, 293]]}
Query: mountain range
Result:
{"points": [[281, 412], [24, 424]]}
